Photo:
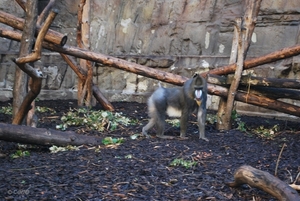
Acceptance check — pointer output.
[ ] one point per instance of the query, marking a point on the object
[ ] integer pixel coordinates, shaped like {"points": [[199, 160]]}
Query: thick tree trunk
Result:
{"points": [[160, 75], [20, 82], [42, 136], [35, 74], [83, 41], [264, 181]]}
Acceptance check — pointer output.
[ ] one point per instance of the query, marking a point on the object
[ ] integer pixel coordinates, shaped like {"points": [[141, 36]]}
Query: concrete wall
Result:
{"points": [[178, 36]]}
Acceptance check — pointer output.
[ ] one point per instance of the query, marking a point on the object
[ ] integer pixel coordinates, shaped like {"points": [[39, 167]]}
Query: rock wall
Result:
{"points": [[178, 36]]}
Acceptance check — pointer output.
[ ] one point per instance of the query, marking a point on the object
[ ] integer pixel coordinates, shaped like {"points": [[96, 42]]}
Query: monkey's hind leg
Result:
{"points": [[201, 117], [150, 125]]}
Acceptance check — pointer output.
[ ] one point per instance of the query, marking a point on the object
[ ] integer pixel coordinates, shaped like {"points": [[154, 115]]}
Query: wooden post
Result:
{"points": [[245, 29], [227, 120], [233, 56]]}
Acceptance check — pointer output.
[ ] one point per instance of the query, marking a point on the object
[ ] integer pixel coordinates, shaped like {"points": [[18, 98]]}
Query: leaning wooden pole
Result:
{"points": [[83, 41], [82, 73], [159, 75], [220, 125]]}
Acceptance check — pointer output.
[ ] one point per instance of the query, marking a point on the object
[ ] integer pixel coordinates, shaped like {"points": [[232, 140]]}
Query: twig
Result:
{"points": [[279, 156], [296, 178]]}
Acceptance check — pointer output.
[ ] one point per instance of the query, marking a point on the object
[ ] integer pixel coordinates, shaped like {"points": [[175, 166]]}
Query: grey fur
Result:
{"points": [[176, 101]]}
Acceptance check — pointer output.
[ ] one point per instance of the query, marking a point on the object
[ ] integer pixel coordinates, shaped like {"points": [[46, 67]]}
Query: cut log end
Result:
{"points": [[63, 41], [264, 181]]}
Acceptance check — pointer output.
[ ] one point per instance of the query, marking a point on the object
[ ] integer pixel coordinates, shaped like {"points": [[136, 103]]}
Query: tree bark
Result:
{"points": [[42, 136], [160, 75], [264, 181]]}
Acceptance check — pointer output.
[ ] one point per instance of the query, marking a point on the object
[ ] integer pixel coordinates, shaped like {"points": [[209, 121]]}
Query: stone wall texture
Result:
{"points": [[178, 36]]}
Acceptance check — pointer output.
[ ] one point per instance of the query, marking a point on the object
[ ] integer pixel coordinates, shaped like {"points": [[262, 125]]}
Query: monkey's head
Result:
{"points": [[198, 88]]}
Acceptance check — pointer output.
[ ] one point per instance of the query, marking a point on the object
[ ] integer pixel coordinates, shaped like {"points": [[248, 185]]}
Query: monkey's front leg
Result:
{"points": [[183, 124], [201, 118]]}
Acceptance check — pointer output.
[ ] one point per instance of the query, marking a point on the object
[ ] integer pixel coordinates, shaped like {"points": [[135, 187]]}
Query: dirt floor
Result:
{"points": [[140, 169]]}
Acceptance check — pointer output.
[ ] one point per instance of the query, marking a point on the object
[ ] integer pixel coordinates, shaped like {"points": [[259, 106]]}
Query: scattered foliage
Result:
{"points": [[6, 110], [42, 109], [95, 120], [135, 136], [110, 140], [174, 122], [19, 153], [55, 149], [211, 118], [268, 133], [241, 126], [184, 163]]}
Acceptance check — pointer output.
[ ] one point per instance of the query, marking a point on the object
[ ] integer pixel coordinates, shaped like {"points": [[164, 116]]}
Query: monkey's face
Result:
{"points": [[198, 95], [198, 88]]}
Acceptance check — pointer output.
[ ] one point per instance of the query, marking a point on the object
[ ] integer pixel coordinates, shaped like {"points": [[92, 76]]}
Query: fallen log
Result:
{"points": [[42, 136], [264, 181], [260, 101], [269, 87], [267, 82], [160, 75], [255, 81], [272, 92]]}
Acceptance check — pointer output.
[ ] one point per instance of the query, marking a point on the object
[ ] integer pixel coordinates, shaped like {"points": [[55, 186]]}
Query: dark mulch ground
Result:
{"points": [[140, 169]]}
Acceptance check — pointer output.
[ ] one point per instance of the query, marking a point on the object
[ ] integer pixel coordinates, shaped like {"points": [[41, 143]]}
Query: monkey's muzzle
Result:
{"points": [[198, 96]]}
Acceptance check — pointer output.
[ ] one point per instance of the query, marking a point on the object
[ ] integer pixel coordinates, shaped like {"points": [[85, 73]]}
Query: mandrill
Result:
{"points": [[178, 102]]}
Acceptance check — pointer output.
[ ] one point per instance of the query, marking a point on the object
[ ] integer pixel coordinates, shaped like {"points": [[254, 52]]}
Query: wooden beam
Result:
{"points": [[18, 23], [160, 75]]}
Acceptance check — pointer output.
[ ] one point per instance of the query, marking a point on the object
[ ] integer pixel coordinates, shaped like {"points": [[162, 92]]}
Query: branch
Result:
{"points": [[36, 54]]}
